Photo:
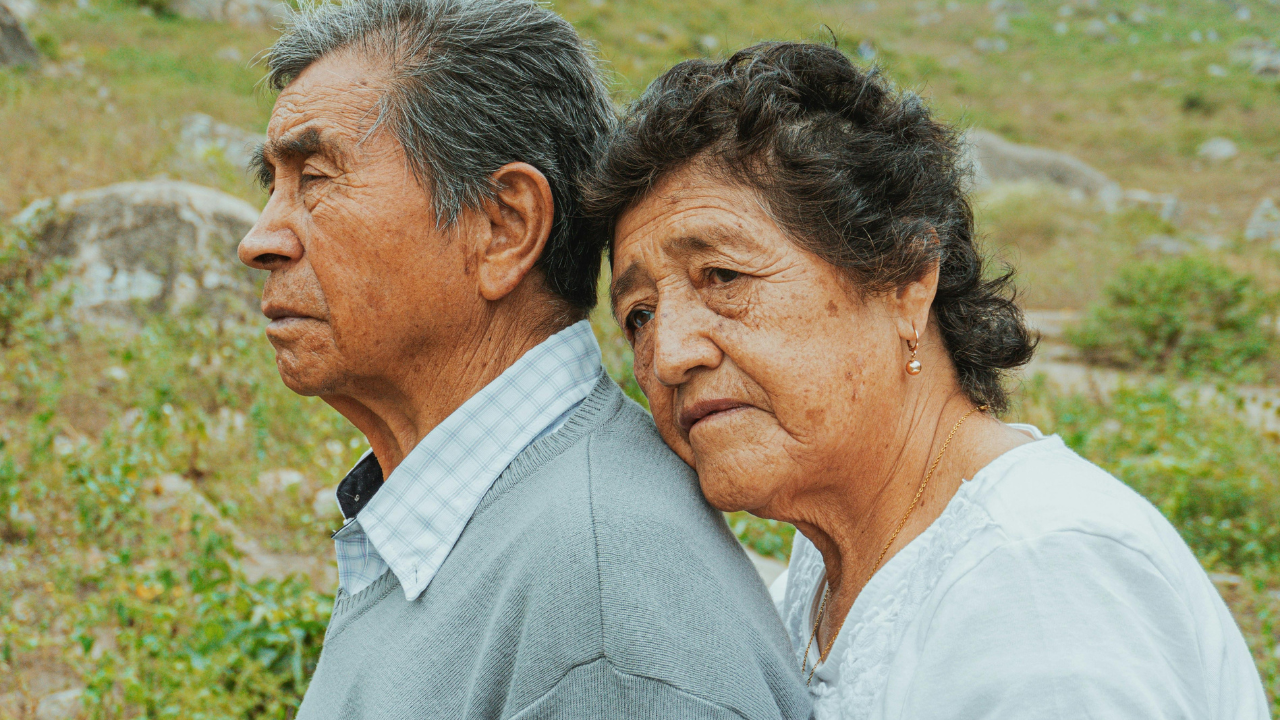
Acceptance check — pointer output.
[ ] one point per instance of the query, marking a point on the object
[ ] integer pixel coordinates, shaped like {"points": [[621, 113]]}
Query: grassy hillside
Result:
{"points": [[109, 582]]}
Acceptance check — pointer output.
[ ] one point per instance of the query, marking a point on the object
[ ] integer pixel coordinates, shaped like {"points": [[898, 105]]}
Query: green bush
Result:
{"points": [[207, 645], [770, 538], [1189, 316]]}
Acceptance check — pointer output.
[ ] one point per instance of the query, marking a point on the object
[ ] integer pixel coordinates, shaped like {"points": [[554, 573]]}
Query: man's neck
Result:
{"points": [[395, 413]]}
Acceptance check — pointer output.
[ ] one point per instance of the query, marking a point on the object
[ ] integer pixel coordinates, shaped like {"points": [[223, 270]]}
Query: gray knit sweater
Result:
{"points": [[593, 581]]}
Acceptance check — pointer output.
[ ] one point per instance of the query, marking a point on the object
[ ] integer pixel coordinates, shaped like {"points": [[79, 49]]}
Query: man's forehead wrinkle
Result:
{"points": [[344, 102]]}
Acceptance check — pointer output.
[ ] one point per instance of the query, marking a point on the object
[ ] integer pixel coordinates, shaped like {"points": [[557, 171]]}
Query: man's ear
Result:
{"points": [[518, 223]]}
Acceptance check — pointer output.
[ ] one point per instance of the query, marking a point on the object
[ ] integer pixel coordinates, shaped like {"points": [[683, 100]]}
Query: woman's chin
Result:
{"points": [[731, 492], [733, 471]]}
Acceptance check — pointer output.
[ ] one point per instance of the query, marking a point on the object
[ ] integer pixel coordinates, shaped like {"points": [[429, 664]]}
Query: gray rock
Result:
{"points": [[1095, 28], [276, 482], [207, 140], [1217, 149], [12, 705], [24, 10], [1166, 245], [63, 705], [145, 247], [1264, 223], [1165, 205], [170, 491], [1211, 242], [1262, 57], [324, 504], [16, 47], [242, 13], [995, 159]]}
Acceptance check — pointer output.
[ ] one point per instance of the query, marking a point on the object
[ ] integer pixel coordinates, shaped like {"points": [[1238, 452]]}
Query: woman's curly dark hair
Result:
{"points": [[853, 171]]}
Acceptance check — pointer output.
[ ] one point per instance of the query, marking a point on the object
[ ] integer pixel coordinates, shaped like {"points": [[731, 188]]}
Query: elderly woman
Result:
{"points": [[795, 267]]}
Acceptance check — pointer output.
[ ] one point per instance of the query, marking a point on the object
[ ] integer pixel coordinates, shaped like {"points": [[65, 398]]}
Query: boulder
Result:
{"points": [[171, 492], [1165, 205], [16, 47], [205, 139], [1166, 245], [1217, 149], [276, 482], [324, 504], [146, 247], [1264, 223], [63, 705], [24, 10], [1262, 57], [242, 13], [995, 159]]}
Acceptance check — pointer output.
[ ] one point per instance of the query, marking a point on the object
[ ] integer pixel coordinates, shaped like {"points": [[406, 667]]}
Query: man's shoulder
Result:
{"points": [[611, 543], [631, 465], [679, 600], [646, 501]]}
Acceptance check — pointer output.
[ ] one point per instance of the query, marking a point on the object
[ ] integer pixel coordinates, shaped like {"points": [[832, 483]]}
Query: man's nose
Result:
{"points": [[271, 243], [683, 342]]}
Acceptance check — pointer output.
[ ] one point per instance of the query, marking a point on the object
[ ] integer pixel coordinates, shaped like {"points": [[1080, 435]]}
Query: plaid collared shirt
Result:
{"points": [[411, 522]]}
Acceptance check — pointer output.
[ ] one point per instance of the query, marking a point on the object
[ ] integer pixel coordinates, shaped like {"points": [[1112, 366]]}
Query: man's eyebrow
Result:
{"points": [[302, 145]]}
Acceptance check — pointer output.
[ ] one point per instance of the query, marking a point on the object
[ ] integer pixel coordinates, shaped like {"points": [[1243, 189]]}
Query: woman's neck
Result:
{"points": [[853, 522]]}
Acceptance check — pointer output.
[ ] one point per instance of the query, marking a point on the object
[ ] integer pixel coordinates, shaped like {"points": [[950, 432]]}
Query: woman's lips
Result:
{"points": [[703, 409]]}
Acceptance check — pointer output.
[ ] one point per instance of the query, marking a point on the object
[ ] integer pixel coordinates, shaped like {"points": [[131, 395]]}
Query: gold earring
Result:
{"points": [[913, 365]]}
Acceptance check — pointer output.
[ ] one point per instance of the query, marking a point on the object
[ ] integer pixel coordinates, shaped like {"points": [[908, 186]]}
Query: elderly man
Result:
{"points": [[519, 541]]}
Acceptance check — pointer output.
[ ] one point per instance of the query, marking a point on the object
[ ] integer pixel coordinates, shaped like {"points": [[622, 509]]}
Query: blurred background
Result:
{"points": [[166, 504]]}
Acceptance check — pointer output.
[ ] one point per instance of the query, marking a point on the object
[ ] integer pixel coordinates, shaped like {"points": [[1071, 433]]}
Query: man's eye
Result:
{"points": [[722, 275], [638, 318]]}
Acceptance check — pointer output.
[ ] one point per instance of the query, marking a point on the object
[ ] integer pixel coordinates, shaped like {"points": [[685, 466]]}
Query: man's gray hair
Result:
{"points": [[474, 85]]}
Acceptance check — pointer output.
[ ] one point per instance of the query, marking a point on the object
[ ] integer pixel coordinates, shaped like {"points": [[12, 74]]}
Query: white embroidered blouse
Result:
{"points": [[1046, 589]]}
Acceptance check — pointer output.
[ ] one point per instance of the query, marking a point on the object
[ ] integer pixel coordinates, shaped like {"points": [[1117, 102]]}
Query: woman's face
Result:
{"points": [[764, 369]]}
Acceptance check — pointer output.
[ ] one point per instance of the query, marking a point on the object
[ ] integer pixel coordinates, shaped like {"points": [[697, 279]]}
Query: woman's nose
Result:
{"points": [[271, 243], [682, 343]]}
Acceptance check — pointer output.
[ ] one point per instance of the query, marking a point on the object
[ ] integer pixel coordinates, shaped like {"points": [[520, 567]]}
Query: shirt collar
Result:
{"points": [[414, 518]]}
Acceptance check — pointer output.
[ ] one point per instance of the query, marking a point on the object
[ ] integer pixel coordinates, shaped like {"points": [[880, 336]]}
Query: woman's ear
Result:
{"points": [[914, 300], [514, 228]]}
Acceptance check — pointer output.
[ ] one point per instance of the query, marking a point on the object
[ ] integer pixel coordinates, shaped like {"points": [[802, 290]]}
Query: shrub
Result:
{"points": [[210, 645], [1189, 316], [32, 324], [771, 538]]}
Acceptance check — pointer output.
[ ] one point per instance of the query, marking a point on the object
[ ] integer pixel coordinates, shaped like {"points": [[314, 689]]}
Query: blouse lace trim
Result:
{"points": [[871, 641]]}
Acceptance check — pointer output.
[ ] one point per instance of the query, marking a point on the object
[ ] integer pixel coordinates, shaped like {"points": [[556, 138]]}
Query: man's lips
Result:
{"points": [[696, 412], [279, 312]]}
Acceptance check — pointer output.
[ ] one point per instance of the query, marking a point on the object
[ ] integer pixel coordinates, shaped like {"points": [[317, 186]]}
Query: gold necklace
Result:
{"points": [[804, 661]]}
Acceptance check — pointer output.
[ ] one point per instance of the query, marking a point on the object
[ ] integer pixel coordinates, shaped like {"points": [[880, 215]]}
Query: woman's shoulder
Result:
{"points": [[1077, 593], [1069, 530], [1044, 489]]}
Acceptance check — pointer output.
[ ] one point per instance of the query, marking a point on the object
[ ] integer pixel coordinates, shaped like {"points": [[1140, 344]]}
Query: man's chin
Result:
{"points": [[304, 377]]}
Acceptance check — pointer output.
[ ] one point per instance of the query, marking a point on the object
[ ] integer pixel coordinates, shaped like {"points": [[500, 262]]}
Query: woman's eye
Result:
{"points": [[639, 318], [722, 275]]}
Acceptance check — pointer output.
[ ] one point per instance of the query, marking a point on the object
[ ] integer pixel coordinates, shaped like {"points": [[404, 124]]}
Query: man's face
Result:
{"points": [[362, 282]]}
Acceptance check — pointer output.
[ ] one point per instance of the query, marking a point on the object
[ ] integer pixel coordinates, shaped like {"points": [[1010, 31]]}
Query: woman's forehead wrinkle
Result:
{"points": [[628, 281]]}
